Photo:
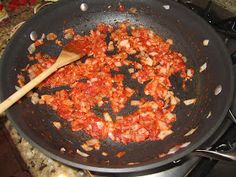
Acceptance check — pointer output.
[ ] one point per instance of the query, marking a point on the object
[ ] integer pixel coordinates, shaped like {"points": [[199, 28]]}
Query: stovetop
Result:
{"points": [[193, 166]]}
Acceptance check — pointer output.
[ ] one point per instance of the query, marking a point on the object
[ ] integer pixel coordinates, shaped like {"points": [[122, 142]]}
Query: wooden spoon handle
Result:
{"points": [[26, 88]]}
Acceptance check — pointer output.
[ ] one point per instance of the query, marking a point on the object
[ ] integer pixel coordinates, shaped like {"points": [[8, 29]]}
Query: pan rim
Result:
{"points": [[135, 168]]}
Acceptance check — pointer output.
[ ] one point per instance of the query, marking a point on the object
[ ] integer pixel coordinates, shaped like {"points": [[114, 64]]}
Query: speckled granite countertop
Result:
{"points": [[39, 165], [227, 4]]}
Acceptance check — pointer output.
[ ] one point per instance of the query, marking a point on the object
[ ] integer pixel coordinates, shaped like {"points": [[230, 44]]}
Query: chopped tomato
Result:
{"points": [[92, 84]]}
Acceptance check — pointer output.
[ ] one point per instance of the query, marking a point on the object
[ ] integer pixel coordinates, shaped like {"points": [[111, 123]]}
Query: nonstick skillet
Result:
{"points": [[213, 88]]}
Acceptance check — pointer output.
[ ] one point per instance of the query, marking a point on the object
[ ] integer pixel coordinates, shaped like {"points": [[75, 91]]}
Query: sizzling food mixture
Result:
{"points": [[121, 89]]}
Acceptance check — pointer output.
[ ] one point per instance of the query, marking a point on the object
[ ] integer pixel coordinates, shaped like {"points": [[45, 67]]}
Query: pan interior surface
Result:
{"points": [[188, 32]]}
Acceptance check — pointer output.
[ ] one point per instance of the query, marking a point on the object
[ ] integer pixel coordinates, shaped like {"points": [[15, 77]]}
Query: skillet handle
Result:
{"points": [[225, 156], [220, 155], [231, 115], [229, 154], [26, 88]]}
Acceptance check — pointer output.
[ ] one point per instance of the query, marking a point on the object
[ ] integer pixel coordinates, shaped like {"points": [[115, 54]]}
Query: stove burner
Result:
{"points": [[227, 27], [210, 16], [224, 26]]}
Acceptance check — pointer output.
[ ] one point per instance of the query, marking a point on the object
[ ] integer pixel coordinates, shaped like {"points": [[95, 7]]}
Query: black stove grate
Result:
{"points": [[225, 26]]}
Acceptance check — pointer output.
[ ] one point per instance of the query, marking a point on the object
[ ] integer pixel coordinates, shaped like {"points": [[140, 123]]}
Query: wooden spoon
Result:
{"points": [[65, 58]]}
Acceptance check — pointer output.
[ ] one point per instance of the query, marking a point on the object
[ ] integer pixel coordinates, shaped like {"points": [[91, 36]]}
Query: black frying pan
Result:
{"points": [[188, 31]]}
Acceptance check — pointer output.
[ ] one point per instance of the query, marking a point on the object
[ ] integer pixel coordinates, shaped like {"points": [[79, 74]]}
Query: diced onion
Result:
{"points": [[133, 163], [189, 73], [104, 153], [42, 37], [167, 7], [164, 133], [131, 70], [31, 48], [120, 154], [100, 125], [190, 101], [148, 61], [203, 67], [119, 117], [209, 115], [118, 64], [100, 103], [83, 154], [62, 149], [173, 150], [139, 66], [170, 41], [57, 124], [135, 103], [68, 36], [107, 117], [190, 132], [162, 155], [86, 147], [94, 79], [58, 42], [153, 54], [92, 142], [170, 115], [205, 42], [110, 46], [125, 43], [35, 98], [185, 144], [17, 88], [174, 100], [185, 59]]}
